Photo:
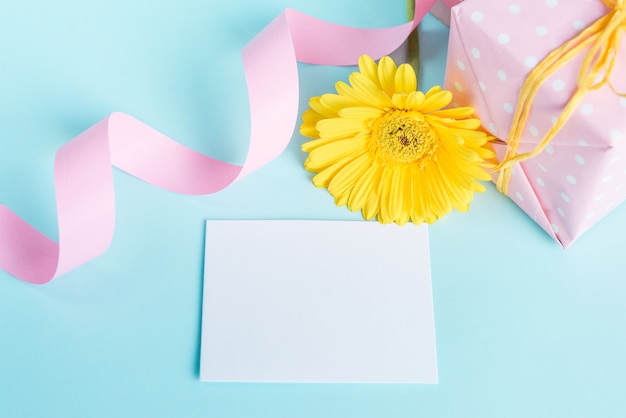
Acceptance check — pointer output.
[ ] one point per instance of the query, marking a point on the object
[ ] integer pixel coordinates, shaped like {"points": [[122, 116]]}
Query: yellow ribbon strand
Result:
{"points": [[603, 38]]}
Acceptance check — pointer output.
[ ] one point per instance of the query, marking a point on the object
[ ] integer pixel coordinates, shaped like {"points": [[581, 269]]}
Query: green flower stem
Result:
{"points": [[413, 54]]}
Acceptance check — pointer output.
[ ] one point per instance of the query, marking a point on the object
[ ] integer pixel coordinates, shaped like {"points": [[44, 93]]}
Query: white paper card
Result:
{"points": [[317, 301]]}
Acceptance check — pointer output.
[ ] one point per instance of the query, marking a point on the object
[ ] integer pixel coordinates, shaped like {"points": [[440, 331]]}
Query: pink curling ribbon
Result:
{"points": [[82, 170]]}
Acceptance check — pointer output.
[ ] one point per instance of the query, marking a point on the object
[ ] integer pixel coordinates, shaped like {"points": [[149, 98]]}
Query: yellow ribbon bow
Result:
{"points": [[603, 39]]}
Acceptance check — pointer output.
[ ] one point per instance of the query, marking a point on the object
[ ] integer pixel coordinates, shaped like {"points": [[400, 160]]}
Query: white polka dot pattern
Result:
{"points": [[586, 109], [580, 160], [533, 130], [578, 177], [615, 135], [558, 85], [530, 61], [515, 9], [477, 16]]}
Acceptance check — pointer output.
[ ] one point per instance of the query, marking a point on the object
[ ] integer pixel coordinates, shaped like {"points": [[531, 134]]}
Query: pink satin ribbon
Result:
{"points": [[82, 171]]}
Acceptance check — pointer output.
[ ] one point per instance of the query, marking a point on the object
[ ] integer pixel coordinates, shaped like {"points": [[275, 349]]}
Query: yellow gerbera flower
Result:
{"points": [[393, 152]]}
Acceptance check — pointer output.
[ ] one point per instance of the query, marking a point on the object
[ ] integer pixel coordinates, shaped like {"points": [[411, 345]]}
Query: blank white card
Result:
{"points": [[318, 302]]}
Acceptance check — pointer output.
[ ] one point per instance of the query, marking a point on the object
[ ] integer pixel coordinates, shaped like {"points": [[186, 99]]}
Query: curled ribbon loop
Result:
{"points": [[82, 173], [602, 38]]}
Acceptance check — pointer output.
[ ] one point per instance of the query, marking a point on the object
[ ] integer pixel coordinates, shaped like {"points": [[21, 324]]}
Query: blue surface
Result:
{"points": [[524, 328]]}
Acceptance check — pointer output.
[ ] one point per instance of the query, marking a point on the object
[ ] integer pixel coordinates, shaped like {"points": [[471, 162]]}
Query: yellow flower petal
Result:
{"points": [[308, 130], [470, 138], [462, 153], [324, 176], [345, 178], [372, 205], [336, 102], [405, 80], [316, 143], [368, 67], [485, 152], [341, 200], [415, 101], [368, 92], [346, 91], [453, 184], [316, 104], [327, 154], [361, 112], [396, 193], [384, 215], [309, 121], [436, 101], [387, 75], [469, 124], [433, 90], [311, 116], [364, 186], [340, 127], [439, 195], [456, 174], [399, 100], [468, 160], [429, 207], [407, 190], [455, 112], [419, 190]]}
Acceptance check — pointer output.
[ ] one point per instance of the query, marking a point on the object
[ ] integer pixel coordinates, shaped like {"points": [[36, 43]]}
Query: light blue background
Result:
{"points": [[524, 328]]}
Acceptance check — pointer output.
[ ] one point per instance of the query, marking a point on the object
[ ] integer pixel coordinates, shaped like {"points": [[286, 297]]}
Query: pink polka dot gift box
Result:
{"points": [[532, 66]]}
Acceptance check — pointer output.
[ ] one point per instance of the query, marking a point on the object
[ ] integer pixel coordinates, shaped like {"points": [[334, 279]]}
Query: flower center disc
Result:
{"points": [[404, 137]]}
